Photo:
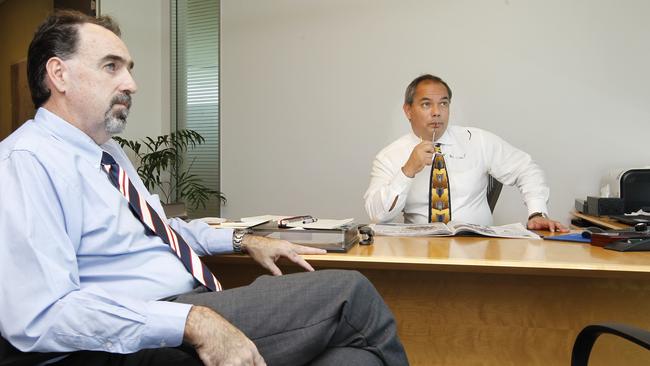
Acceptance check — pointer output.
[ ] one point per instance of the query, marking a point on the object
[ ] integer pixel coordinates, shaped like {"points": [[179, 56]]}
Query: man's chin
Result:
{"points": [[115, 126]]}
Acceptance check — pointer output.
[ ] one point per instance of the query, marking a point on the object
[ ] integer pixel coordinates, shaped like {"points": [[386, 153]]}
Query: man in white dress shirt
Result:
{"points": [[400, 173]]}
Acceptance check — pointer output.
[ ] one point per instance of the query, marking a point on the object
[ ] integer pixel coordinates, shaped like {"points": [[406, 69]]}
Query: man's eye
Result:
{"points": [[426, 105], [110, 67], [444, 104]]}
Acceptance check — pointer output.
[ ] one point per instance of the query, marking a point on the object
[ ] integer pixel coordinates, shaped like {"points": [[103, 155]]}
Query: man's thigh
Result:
{"points": [[292, 317]]}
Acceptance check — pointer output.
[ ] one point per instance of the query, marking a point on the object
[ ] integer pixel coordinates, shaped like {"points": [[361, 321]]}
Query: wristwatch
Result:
{"points": [[536, 214], [237, 238]]}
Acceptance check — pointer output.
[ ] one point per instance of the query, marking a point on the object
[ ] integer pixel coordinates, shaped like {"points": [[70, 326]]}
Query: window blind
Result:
{"points": [[195, 87]]}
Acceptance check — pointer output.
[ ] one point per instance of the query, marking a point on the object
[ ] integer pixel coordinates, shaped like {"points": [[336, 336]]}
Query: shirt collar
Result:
{"points": [[447, 138], [79, 143]]}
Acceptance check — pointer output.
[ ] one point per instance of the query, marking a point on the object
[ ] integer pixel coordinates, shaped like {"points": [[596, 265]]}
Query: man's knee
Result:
{"points": [[350, 280]]}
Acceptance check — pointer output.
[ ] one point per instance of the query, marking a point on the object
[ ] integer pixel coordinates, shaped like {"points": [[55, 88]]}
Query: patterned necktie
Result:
{"points": [[439, 199], [153, 223]]}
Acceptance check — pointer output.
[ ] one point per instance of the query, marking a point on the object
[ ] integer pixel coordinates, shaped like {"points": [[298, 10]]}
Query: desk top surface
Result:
{"points": [[482, 254]]}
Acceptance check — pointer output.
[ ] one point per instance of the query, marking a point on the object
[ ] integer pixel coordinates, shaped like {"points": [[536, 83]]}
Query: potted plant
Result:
{"points": [[160, 163]]}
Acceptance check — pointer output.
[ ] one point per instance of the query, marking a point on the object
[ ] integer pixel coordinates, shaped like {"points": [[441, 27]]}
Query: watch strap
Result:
{"points": [[537, 214], [238, 238]]}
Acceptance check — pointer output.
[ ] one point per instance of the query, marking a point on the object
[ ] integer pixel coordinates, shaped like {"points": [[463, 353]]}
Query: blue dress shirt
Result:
{"points": [[77, 270]]}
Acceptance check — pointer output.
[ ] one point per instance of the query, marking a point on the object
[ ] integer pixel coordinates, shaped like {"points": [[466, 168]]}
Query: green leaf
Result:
{"points": [[163, 155]]}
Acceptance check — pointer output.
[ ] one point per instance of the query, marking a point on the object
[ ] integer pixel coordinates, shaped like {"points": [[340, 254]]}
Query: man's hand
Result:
{"points": [[267, 251], [421, 156], [543, 223], [218, 342]]}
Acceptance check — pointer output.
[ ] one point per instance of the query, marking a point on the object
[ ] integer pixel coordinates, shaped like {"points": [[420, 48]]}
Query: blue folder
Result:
{"points": [[569, 237]]}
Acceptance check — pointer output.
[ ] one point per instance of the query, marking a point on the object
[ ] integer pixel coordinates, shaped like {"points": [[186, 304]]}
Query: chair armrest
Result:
{"points": [[587, 337]]}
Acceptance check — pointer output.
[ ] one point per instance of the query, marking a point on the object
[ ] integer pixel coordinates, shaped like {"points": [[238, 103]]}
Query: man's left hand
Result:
{"points": [[267, 251], [543, 223]]}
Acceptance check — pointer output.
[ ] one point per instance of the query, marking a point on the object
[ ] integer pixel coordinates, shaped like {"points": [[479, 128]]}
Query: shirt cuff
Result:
{"points": [[212, 240], [536, 206], [165, 324], [219, 241]]}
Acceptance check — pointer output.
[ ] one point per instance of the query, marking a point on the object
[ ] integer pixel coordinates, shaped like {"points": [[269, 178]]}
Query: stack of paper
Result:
{"points": [[247, 222], [321, 224], [243, 224]]}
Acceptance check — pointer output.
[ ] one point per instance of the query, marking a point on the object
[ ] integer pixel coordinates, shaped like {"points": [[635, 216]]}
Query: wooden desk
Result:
{"points": [[480, 301]]}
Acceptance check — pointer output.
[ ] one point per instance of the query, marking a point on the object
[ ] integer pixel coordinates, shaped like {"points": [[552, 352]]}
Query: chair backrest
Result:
{"points": [[493, 192], [587, 337], [10, 356]]}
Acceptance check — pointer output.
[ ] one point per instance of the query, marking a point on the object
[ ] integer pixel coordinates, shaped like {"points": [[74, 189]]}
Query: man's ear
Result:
{"points": [[407, 110], [56, 74]]}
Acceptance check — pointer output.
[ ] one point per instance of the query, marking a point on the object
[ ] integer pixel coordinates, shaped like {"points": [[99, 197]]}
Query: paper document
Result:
{"points": [[318, 224], [213, 220], [263, 217], [452, 228], [321, 224], [239, 224], [638, 213]]}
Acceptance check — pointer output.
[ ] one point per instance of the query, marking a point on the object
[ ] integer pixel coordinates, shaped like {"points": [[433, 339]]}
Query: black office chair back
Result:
{"points": [[587, 337], [493, 192]]}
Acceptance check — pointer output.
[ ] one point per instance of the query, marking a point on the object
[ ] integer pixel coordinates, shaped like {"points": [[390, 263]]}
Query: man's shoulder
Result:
{"points": [[33, 142], [28, 138]]}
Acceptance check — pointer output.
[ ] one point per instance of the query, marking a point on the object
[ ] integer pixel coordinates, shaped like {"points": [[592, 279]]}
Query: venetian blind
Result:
{"points": [[195, 87]]}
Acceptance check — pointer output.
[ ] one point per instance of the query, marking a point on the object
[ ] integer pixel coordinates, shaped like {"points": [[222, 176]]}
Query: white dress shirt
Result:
{"points": [[470, 155]]}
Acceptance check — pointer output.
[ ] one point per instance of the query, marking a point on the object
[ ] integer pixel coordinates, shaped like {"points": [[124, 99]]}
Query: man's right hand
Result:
{"points": [[421, 156], [218, 342]]}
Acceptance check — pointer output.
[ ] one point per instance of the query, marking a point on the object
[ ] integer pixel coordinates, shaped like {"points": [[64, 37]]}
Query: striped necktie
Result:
{"points": [[153, 223], [439, 198]]}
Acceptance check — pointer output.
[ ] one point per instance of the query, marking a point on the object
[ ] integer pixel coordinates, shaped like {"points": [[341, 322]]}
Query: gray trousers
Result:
{"points": [[317, 318], [324, 317]]}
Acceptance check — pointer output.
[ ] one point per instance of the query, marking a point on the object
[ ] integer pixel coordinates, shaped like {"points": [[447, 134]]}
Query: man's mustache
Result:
{"points": [[124, 99]]}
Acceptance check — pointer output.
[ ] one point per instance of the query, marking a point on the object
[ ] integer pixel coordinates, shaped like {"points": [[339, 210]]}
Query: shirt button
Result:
{"points": [[163, 344], [109, 345]]}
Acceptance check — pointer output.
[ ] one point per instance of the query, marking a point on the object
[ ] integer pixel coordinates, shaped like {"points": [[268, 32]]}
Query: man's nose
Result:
{"points": [[435, 110], [129, 84]]}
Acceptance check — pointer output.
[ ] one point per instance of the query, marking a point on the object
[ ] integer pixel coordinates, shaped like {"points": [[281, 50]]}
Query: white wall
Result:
{"points": [[145, 31], [312, 90]]}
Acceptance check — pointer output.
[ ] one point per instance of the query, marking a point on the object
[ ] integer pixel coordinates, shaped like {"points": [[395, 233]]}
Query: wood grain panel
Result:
{"points": [[22, 107]]}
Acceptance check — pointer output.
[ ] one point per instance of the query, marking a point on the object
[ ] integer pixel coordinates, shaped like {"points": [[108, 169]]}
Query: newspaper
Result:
{"points": [[516, 230]]}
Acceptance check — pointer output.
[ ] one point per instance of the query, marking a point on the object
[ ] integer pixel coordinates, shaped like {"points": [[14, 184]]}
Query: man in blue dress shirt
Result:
{"points": [[80, 277]]}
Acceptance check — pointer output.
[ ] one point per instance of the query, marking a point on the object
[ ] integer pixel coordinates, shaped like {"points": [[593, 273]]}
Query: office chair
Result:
{"points": [[493, 191], [587, 337], [10, 356]]}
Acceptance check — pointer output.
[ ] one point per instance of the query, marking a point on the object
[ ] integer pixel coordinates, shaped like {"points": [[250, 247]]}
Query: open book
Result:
{"points": [[452, 228]]}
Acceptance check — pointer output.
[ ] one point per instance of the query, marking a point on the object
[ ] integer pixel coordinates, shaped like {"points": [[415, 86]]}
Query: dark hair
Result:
{"points": [[410, 90], [57, 36]]}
